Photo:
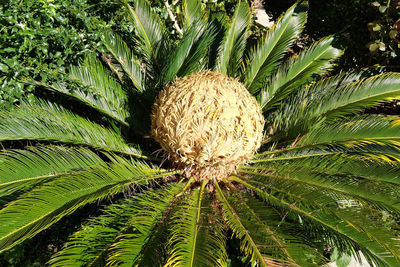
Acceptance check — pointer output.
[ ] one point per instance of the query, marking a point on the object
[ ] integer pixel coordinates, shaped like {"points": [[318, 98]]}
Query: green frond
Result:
{"points": [[284, 191], [349, 170], [38, 209], [368, 153], [245, 227], [197, 232], [107, 93], [89, 246], [196, 59], [21, 169], [128, 61], [356, 131], [372, 136], [331, 99], [192, 12], [145, 240], [149, 28], [357, 96], [348, 227], [297, 114], [284, 243], [265, 57], [190, 53], [45, 121], [233, 45], [370, 168], [93, 243], [90, 99], [297, 177], [315, 60]]}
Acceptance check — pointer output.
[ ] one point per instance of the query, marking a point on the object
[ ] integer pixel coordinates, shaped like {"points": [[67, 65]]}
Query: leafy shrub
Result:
{"points": [[384, 31], [39, 39], [354, 20]]}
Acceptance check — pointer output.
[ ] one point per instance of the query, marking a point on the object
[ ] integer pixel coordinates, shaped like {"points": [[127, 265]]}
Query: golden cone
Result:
{"points": [[207, 124]]}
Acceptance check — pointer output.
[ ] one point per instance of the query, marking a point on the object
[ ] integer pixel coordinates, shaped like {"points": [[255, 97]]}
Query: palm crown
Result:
{"points": [[326, 174]]}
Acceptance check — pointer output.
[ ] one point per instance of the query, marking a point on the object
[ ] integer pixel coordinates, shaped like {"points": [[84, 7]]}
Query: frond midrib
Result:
{"points": [[308, 215], [232, 211]]}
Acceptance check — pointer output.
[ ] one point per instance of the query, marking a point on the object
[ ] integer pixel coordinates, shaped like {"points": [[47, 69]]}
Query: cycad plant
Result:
{"points": [[237, 142]]}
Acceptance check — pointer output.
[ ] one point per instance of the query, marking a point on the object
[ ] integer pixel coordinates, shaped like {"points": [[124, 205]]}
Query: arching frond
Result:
{"points": [[283, 243], [265, 57], [354, 97], [192, 12], [350, 228], [90, 99], [232, 47], [145, 241], [40, 208], [196, 59], [302, 175], [107, 93], [125, 57], [367, 167], [93, 244], [359, 130], [332, 98], [45, 121], [148, 26], [189, 55], [311, 62], [197, 233], [245, 227], [295, 116], [374, 136], [21, 169]]}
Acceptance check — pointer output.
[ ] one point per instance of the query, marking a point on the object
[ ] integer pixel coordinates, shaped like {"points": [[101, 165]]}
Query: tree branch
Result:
{"points": [[172, 17]]}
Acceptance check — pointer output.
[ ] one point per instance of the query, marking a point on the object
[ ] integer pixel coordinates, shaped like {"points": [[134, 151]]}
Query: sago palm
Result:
{"points": [[237, 142]]}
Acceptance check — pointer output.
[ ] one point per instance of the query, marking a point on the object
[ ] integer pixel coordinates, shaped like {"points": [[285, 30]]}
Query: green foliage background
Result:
{"points": [[350, 18], [39, 39]]}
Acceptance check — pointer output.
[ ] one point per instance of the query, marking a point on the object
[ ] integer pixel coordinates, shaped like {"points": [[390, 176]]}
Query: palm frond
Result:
{"points": [[192, 12], [373, 136], [90, 99], [311, 62], [357, 96], [189, 54], [24, 168], [93, 244], [297, 177], [331, 99], [107, 92], [284, 243], [196, 59], [128, 61], [370, 168], [246, 227], [144, 243], [233, 45], [265, 57], [149, 28], [357, 131], [297, 114], [45, 121], [89, 246], [197, 233], [342, 227], [38, 209]]}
